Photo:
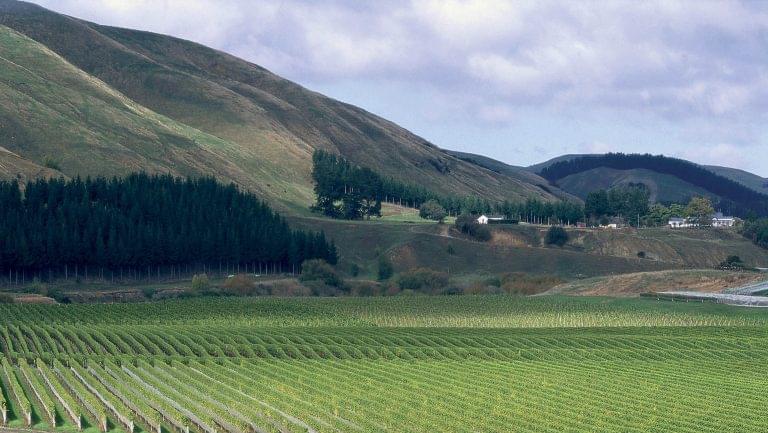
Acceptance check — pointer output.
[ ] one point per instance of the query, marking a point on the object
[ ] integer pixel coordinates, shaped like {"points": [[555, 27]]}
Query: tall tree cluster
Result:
{"points": [[146, 223], [628, 202], [757, 231], [344, 190], [736, 198]]}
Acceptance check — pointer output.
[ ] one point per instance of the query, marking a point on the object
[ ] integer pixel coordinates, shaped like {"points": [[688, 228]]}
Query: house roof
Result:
{"points": [[676, 220]]}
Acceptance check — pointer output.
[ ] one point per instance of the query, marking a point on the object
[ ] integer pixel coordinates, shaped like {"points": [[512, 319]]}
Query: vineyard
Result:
{"points": [[404, 364]]}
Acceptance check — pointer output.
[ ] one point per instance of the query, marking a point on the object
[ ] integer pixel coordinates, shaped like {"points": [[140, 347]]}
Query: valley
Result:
{"points": [[191, 243]]}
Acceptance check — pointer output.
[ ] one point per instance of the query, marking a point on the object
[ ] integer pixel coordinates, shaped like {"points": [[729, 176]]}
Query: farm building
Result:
{"points": [[677, 222], [485, 219], [720, 220]]}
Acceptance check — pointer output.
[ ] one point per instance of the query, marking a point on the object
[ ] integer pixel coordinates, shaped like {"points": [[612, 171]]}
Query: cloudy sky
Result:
{"points": [[519, 81]]}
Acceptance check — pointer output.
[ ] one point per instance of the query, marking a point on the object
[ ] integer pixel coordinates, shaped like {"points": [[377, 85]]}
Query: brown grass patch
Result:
{"points": [[707, 281]]}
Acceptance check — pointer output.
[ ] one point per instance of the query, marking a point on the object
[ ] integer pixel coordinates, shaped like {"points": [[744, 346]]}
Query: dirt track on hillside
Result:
{"points": [[705, 281]]}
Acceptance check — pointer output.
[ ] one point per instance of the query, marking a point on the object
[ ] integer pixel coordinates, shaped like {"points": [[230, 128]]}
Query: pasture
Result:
{"points": [[404, 364]]}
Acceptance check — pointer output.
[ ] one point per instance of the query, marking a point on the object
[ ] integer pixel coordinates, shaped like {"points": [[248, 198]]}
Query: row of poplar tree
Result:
{"points": [[145, 225], [347, 191]]}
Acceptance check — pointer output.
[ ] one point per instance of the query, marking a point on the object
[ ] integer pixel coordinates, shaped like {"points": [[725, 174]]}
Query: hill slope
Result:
{"points": [[127, 100], [521, 173], [750, 180], [670, 179]]}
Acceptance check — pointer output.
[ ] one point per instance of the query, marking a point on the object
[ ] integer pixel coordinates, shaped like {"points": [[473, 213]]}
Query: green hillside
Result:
{"points": [[52, 111], [521, 173], [663, 187], [757, 183], [107, 101], [521, 248]]}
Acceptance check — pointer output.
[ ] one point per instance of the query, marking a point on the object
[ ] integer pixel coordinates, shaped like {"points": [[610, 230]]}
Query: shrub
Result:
{"points": [[58, 295], [365, 288], [556, 235], [52, 163], [423, 280], [320, 270], [239, 285], [354, 270], [386, 269], [289, 288], [200, 283], [320, 288], [732, 262], [148, 292], [519, 283], [6, 298], [468, 225], [432, 210], [641, 254]]}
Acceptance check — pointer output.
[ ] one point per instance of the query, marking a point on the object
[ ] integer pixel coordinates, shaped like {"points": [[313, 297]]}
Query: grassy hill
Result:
{"points": [[106, 100], [663, 187], [521, 173], [757, 183], [521, 248]]}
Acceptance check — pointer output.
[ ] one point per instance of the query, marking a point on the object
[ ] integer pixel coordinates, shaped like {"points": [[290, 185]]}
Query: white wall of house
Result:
{"points": [[482, 219]]}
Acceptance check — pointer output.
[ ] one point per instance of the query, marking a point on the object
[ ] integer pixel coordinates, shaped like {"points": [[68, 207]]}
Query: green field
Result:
{"points": [[408, 363]]}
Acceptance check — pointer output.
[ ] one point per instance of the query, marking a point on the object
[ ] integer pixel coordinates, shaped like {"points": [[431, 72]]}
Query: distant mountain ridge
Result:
{"points": [[669, 179], [750, 180], [78, 98]]}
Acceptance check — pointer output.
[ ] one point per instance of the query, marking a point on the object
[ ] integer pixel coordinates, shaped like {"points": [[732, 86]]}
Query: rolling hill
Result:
{"points": [[664, 193], [668, 179], [86, 99]]}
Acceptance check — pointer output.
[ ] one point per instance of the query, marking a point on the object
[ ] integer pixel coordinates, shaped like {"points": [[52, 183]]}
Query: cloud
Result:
{"points": [[724, 154], [675, 58], [687, 62]]}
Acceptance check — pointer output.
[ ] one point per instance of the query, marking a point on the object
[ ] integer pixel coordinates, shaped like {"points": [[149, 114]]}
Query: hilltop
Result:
{"points": [[108, 101], [664, 187]]}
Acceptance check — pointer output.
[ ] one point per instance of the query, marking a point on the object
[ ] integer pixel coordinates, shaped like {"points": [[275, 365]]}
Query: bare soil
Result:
{"points": [[705, 281]]}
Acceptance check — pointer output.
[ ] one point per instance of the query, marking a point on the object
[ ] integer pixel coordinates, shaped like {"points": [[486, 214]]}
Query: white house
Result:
{"points": [[677, 222], [484, 219], [720, 220]]}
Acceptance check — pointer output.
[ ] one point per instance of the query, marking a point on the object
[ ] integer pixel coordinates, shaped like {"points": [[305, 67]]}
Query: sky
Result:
{"points": [[518, 81]]}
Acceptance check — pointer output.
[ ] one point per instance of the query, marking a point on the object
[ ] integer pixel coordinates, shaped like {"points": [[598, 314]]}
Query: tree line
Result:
{"points": [[739, 199], [144, 225], [630, 202], [347, 191], [757, 231]]}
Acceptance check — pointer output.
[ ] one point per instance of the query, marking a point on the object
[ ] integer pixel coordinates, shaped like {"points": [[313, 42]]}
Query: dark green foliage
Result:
{"points": [[432, 210], [596, 205], [144, 222], [386, 269], [52, 163], [6, 298], [200, 284], [354, 269], [757, 231], [468, 225], [732, 263], [423, 280], [735, 196], [320, 270], [627, 202], [343, 190], [556, 235]]}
